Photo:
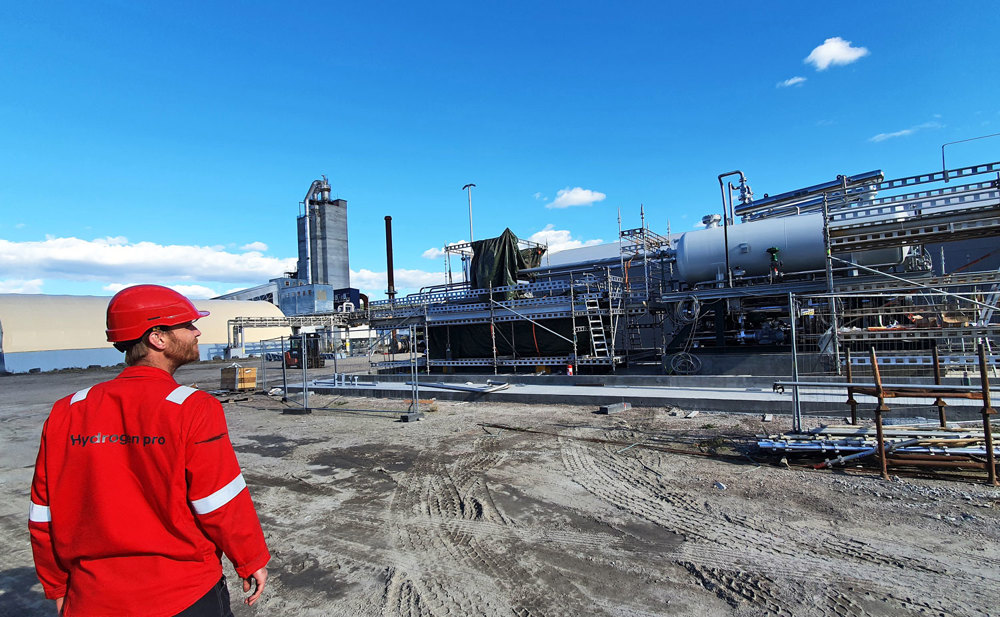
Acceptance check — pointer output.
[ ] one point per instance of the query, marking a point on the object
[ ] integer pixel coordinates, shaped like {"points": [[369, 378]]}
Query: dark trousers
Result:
{"points": [[215, 603]]}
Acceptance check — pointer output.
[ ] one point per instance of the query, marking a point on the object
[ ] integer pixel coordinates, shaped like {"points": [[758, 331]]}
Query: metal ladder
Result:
{"points": [[598, 338]]}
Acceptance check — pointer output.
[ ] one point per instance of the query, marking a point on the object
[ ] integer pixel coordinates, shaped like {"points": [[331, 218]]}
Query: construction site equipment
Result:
{"points": [[313, 352], [970, 446]]}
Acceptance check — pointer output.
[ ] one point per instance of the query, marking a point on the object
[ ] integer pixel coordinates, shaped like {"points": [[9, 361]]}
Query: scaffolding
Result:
{"points": [[583, 312]]}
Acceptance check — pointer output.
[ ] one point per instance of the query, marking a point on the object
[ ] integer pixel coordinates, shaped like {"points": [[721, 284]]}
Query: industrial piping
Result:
{"points": [[727, 219]]}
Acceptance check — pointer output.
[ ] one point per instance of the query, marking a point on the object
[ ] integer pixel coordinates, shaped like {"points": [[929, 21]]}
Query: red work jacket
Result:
{"points": [[137, 493]]}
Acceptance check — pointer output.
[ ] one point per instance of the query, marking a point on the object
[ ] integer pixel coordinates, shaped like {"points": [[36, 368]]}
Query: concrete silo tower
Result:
{"points": [[322, 232]]}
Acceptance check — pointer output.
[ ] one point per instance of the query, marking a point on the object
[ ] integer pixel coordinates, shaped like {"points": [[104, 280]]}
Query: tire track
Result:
{"points": [[721, 550], [436, 509]]}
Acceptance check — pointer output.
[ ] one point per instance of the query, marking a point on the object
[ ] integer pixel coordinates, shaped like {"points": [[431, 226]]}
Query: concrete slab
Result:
{"points": [[717, 398], [614, 408]]}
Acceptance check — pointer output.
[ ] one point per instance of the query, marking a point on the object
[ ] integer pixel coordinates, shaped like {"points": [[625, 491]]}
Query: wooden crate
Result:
{"points": [[239, 378]]}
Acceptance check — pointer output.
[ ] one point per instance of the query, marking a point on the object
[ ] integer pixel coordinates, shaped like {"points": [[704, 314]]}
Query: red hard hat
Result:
{"points": [[136, 309]]}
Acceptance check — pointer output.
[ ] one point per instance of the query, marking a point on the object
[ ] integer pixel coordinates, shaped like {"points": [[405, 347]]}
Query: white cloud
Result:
{"points": [[116, 259], [792, 81], [436, 253], [406, 281], [575, 197], [21, 286], [197, 292], [905, 132], [20, 226], [559, 239], [258, 247], [835, 51], [540, 197]]}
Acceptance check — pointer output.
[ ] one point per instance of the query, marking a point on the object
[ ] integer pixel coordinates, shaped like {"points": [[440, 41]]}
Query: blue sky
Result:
{"points": [[172, 142]]}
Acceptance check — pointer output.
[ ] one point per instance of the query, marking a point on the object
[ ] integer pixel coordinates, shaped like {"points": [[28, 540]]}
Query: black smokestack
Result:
{"points": [[388, 257]]}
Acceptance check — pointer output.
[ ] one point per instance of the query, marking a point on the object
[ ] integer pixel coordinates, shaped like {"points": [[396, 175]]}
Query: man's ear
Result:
{"points": [[157, 339]]}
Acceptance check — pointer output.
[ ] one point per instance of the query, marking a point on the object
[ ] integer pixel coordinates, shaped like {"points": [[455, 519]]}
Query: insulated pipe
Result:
{"points": [[391, 292], [726, 219], [799, 195]]}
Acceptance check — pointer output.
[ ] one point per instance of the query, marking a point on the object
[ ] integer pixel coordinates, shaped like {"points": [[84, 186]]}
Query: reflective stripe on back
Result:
{"points": [[180, 394], [79, 396], [220, 497], [39, 514]]}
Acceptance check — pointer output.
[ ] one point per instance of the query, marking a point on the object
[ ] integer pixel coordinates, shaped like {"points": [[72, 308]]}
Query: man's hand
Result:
{"points": [[259, 579], [59, 605]]}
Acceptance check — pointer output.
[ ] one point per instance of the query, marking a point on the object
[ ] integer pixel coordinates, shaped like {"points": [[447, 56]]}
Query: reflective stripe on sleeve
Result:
{"points": [[180, 394], [39, 514], [220, 497], [79, 396]]}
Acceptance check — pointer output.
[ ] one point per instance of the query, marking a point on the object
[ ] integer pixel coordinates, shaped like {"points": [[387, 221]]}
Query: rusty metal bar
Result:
{"points": [[878, 414], [924, 392]]}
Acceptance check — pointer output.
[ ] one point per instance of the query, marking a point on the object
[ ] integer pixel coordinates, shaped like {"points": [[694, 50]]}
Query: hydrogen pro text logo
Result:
{"points": [[122, 439]]}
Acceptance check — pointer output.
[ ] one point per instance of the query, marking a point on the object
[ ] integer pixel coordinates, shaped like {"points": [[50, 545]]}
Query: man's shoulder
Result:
{"points": [[82, 394], [148, 389], [189, 395]]}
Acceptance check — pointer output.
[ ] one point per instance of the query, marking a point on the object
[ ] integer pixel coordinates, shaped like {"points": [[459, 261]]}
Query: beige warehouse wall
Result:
{"points": [[46, 323]]}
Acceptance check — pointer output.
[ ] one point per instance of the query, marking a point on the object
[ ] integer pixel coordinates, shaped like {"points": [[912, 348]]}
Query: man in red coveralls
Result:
{"points": [[137, 491]]}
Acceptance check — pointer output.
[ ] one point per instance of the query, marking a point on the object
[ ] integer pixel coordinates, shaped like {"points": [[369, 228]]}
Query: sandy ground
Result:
{"points": [[553, 514]]}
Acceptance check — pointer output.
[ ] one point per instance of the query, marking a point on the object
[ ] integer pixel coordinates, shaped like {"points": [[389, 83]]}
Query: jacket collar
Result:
{"points": [[148, 372]]}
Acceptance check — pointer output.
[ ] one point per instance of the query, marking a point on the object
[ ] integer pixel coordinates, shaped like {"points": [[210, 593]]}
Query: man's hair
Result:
{"points": [[134, 350]]}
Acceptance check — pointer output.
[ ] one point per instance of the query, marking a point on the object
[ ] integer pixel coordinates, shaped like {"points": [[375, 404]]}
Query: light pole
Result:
{"points": [[469, 188]]}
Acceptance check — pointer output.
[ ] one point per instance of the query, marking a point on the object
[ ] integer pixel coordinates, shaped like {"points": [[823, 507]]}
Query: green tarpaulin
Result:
{"points": [[495, 261]]}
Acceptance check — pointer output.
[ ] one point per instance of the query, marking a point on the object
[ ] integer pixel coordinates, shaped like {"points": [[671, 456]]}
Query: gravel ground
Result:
{"points": [[500, 509]]}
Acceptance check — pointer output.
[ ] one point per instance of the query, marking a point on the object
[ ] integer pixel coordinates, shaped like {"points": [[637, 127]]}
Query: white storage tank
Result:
{"points": [[701, 258]]}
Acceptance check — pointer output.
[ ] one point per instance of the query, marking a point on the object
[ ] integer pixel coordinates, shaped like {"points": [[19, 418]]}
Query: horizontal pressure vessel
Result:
{"points": [[700, 255]]}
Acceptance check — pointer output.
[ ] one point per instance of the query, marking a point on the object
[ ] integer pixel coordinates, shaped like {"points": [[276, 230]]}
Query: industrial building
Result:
{"points": [[322, 280], [857, 261], [47, 332]]}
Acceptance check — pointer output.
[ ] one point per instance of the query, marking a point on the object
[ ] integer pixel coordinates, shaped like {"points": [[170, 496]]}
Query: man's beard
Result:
{"points": [[180, 352]]}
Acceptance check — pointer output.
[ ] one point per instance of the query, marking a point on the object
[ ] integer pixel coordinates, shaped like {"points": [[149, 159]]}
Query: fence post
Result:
{"points": [[263, 367], [937, 381], [796, 403], [850, 391], [304, 358], [284, 373], [991, 463]]}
